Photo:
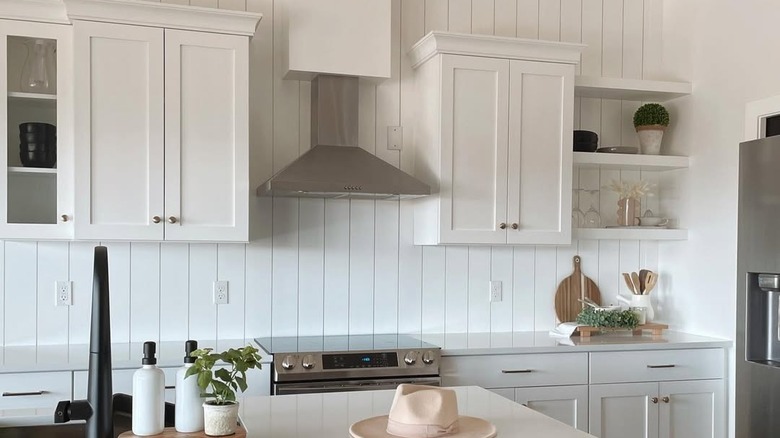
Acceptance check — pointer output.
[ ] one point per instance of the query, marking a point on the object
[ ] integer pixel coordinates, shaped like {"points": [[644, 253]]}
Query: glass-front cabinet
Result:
{"points": [[36, 124]]}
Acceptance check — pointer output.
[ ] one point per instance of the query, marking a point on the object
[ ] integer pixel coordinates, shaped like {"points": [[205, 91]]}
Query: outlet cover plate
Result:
{"points": [[63, 293], [220, 292], [395, 138], [496, 292]]}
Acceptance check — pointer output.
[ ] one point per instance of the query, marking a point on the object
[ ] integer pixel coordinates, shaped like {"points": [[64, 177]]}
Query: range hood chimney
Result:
{"points": [[335, 167]]}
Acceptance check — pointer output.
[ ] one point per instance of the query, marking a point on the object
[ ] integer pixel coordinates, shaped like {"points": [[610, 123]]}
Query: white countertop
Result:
{"points": [[330, 415], [76, 357]]}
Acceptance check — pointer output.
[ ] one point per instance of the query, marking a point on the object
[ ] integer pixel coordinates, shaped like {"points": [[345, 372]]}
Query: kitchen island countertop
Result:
{"points": [[329, 415]]}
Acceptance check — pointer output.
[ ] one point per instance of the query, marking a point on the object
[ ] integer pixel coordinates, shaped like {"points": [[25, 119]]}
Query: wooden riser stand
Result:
{"points": [[655, 328]]}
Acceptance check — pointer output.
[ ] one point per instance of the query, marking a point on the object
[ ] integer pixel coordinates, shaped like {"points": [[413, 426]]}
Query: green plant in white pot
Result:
{"points": [[220, 410], [650, 121]]}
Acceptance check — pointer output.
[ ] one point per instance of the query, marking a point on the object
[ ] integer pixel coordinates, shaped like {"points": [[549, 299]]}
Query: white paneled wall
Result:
{"points": [[336, 266]]}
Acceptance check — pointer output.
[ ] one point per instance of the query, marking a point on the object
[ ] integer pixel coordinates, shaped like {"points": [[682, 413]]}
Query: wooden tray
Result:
{"points": [[170, 432], [656, 329]]}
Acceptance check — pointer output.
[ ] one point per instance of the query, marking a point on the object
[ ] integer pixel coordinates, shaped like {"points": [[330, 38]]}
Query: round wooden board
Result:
{"points": [[570, 290]]}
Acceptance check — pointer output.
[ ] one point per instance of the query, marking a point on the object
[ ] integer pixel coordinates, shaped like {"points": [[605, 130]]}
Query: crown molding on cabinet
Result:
{"points": [[493, 46], [50, 11], [134, 12], [166, 15]]}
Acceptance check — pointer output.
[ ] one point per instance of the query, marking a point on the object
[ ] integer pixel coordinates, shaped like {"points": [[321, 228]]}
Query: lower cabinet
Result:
{"points": [[34, 393], [122, 382], [567, 404], [690, 409]]}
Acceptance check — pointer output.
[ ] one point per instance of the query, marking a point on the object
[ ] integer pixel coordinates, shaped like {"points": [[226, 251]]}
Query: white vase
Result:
{"points": [[650, 138], [220, 420]]}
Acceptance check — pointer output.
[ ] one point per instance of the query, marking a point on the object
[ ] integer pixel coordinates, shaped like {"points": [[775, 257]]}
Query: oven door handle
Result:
{"points": [[352, 386]]}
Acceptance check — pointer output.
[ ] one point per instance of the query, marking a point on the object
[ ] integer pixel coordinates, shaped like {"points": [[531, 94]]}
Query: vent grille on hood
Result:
{"points": [[335, 167]]}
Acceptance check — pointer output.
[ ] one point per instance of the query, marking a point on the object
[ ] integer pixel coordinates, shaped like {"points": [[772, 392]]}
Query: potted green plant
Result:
{"points": [[650, 121], [220, 410]]}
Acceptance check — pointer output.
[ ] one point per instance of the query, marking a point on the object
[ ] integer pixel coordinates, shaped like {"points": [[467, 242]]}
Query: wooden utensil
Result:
{"points": [[629, 283], [635, 280], [652, 280], [643, 279], [571, 289]]}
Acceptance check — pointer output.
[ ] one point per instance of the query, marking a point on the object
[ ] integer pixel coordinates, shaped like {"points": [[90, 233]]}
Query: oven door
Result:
{"points": [[349, 385]]}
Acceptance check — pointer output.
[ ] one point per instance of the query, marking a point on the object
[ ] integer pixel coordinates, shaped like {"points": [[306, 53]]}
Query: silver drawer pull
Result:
{"points": [[662, 366], [23, 394], [516, 371]]}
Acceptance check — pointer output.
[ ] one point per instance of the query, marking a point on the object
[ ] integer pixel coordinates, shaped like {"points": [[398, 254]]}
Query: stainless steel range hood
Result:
{"points": [[335, 167]]}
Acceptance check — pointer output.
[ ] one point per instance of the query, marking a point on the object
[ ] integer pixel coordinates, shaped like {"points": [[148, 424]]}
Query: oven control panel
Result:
{"points": [[356, 364]]}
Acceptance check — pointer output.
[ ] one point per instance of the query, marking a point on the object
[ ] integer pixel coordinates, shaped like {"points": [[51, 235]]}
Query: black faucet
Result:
{"points": [[97, 408]]}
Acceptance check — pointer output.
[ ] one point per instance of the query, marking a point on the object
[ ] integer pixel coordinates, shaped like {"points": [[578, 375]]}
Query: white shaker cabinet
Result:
{"points": [[162, 122], [36, 195], [493, 139], [567, 404]]}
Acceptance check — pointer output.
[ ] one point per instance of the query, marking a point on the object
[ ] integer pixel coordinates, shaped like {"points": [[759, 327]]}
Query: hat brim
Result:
{"points": [[468, 427]]}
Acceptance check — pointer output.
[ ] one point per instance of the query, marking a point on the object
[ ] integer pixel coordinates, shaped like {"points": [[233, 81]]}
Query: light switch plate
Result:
{"points": [[496, 292], [220, 292], [63, 295], [395, 138]]}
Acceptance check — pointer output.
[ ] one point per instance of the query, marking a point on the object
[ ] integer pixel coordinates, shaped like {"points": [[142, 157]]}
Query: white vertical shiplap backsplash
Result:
{"points": [[336, 266]]}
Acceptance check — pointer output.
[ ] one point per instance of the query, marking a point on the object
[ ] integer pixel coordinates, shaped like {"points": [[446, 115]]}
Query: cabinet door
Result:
{"points": [[119, 131], [206, 136], [36, 166], [474, 127], [692, 409], [567, 404], [624, 410], [541, 108]]}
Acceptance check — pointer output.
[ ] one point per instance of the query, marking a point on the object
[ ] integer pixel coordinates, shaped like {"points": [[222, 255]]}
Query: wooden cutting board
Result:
{"points": [[572, 288]]}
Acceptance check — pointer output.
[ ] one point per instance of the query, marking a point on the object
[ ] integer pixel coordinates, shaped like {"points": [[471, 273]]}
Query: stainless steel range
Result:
{"points": [[314, 364]]}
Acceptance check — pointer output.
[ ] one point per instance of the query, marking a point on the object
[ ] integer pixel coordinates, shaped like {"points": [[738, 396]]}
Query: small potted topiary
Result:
{"points": [[220, 410], [650, 121]]}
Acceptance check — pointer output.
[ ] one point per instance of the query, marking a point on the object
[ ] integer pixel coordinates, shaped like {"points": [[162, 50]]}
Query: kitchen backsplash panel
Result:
{"points": [[337, 266]]}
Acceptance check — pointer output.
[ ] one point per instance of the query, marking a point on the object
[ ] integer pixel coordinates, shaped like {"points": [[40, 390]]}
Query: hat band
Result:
{"points": [[420, 430]]}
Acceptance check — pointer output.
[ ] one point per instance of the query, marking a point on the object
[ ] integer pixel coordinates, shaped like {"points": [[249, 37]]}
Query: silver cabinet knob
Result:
{"points": [[64, 217], [172, 220], [410, 358], [156, 219], [502, 226], [654, 399], [515, 226], [308, 362], [665, 399], [289, 362], [428, 357]]}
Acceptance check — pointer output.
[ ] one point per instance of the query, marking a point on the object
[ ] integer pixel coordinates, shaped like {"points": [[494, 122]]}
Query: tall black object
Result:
{"points": [[97, 408]]}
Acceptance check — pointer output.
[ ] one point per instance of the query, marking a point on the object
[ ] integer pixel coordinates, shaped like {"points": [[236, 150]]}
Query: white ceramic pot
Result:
{"points": [[220, 420], [650, 138]]}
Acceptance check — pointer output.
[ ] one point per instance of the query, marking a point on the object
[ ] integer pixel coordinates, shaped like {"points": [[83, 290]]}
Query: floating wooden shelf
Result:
{"points": [[629, 161], [629, 234], [28, 170], [629, 89], [31, 96], [656, 329]]}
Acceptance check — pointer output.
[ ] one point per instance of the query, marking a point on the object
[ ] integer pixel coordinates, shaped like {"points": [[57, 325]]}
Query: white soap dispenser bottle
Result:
{"points": [[148, 395], [189, 403]]}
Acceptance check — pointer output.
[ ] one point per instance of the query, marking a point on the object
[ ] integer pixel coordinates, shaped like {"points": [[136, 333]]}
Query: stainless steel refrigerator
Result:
{"points": [[758, 290]]}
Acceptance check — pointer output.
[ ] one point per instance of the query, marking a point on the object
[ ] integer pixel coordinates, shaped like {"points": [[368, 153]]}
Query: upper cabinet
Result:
{"points": [[162, 133], [36, 125], [493, 139]]}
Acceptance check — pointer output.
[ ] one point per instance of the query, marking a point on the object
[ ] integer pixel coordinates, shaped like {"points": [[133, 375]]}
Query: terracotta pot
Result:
{"points": [[220, 420], [650, 138]]}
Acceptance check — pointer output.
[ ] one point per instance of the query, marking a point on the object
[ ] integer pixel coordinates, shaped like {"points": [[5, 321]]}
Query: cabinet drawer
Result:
{"points": [[507, 371], [649, 366], [122, 382], [34, 390]]}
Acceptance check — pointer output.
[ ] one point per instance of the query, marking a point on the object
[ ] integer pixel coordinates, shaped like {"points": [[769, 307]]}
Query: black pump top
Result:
{"points": [[149, 350], [189, 347]]}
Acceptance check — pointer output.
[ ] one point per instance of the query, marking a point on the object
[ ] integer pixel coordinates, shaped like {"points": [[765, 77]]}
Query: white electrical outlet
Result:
{"points": [[220, 292], [395, 138], [62, 293], [496, 292]]}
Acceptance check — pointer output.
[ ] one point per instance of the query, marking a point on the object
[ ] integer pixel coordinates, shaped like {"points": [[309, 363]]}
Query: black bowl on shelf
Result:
{"points": [[38, 144], [585, 141]]}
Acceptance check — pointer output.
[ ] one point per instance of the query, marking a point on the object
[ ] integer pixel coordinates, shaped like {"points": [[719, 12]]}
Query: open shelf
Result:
{"points": [[629, 89], [31, 96], [629, 234], [629, 161], [33, 170]]}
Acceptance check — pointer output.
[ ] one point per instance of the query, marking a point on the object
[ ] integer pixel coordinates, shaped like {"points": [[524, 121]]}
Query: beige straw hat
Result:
{"points": [[423, 412]]}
